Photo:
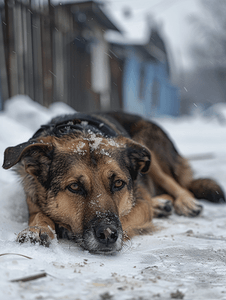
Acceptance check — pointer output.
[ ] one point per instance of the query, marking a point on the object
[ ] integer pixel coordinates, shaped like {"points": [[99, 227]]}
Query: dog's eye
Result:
{"points": [[118, 185], [76, 188]]}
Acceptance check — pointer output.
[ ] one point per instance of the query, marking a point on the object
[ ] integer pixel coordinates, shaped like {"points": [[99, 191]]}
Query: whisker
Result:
{"points": [[126, 246]]}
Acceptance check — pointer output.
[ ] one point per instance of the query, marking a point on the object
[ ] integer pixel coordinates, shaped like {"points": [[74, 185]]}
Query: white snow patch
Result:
{"points": [[113, 143], [104, 152], [96, 142], [79, 148]]}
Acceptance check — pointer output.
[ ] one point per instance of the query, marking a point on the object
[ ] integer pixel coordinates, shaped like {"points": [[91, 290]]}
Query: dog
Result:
{"points": [[100, 178]]}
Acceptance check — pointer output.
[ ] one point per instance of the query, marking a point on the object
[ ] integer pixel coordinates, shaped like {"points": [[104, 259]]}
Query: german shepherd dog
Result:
{"points": [[100, 179]]}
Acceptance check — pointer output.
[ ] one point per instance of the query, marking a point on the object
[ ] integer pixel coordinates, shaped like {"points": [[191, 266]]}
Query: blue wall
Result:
{"points": [[1, 101], [168, 97]]}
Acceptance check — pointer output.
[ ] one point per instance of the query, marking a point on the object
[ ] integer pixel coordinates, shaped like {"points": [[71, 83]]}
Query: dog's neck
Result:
{"points": [[60, 126]]}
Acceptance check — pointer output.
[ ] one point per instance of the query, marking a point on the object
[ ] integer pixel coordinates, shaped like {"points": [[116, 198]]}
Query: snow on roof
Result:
{"points": [[134, 26]]}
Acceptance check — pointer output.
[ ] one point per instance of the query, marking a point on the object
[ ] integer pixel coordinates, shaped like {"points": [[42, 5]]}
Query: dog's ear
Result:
{"points": [[139, 159], [33, 153]]}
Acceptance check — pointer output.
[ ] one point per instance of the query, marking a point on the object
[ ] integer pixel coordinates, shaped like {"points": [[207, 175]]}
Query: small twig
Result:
{"points": [[16, 254], [201, 156], [29, 278]]}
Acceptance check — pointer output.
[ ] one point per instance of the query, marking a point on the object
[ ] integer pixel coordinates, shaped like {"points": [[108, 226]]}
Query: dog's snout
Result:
{"points": [[103, 234], [106, 234]]}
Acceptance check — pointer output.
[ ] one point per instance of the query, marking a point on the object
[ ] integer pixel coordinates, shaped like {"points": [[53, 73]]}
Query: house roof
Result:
{"points": [[94, 7], [133, 19], [138, 28], [135, 28], [152, 44], [133, 32]]}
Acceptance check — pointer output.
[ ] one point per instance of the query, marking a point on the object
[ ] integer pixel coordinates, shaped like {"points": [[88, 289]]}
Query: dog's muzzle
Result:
{"points": [[106, 234], [103, 234]]}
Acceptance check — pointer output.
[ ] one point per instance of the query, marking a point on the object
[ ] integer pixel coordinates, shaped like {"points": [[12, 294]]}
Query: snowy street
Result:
{"points": [[184, 259]]}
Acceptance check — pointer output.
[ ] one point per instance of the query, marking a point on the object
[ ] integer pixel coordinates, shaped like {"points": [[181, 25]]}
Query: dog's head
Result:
{"points": [[83, 182]]}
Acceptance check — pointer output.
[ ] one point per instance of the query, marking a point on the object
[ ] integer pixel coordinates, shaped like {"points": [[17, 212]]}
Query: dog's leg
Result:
{"points": [[41, 228], [162, 205], [184, 203]]}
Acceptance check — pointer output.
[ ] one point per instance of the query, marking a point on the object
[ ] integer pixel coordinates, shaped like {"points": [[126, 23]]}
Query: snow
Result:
{"points": [[79, 148], [184, 254], [135, 29]]}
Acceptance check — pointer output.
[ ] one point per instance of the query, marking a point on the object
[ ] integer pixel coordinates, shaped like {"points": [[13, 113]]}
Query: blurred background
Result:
{"points": [[152, 57]]}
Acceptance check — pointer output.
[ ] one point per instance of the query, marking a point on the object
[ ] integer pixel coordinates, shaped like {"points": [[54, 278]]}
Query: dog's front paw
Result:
{"points": [[35, 234], [162, 206], [186, 205]]}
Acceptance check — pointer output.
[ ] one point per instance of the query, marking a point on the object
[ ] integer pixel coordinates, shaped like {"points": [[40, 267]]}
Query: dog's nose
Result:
{"points": [[106, 234]]}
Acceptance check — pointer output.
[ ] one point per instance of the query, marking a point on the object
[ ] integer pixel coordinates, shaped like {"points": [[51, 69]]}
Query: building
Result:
{"points": [[146, 86], [72, 51]]}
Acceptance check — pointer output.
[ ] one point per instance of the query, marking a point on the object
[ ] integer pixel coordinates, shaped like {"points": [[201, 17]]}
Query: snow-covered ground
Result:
{"points": [[184, 259]]}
